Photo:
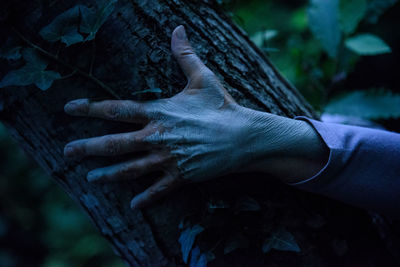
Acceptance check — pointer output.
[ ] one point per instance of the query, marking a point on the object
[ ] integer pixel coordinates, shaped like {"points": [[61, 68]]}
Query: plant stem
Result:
{"points": [[68, 75], [67, 65]]}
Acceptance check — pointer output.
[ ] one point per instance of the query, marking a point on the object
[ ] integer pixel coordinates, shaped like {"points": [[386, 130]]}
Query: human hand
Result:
{"points": [[191, 136], [198, 134]]}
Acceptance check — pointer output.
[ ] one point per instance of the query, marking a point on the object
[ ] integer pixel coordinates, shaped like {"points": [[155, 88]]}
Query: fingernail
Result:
{"points": [[181, 33], [77, 107], [68, 151]]}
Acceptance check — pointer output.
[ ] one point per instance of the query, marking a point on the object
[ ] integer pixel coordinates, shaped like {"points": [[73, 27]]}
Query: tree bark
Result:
{"points": [[133, 53]]}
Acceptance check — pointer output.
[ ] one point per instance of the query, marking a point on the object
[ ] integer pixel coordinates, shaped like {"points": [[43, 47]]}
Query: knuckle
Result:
{"points": [[137, 110], [155, 109], [182, 50], [186, 51], [137, 140], [113, 111]]}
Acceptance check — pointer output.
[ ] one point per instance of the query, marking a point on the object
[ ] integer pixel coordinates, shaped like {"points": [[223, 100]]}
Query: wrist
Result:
{"points": [[288, 149]]}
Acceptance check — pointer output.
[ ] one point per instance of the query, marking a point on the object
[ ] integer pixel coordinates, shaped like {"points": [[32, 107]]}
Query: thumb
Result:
{"points": [[189, 62]]}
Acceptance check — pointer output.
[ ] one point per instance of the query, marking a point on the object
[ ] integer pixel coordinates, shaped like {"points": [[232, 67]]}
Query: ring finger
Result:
{"points": [[130, 169]]}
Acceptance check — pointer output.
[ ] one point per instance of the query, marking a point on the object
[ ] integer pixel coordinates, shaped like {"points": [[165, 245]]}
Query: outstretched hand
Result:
{"points": [[191, 136], [198, 134]]}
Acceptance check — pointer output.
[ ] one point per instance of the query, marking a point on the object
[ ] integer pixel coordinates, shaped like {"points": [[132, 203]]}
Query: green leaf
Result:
{"points": [[32, 73], [367, 45], [376, 8], [197, 259], [32, 57], [370, 104], [323, 20], [262, 36], [151, 90], [71, 36], [187, 240], [92, 19], [9, 51], [281, 240], [351, 13], [64, 27]]}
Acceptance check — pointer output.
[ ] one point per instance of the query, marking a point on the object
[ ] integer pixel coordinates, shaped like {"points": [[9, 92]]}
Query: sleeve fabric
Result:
{"points": [[363, 168]]}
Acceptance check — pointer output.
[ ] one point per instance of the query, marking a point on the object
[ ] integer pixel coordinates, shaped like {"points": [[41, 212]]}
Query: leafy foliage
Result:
{"points": [[367, 45], [281, 240], [302, 60], [34, 72], [92, 19], [370, 104], [351, 13], [324, 24], [10, 52], [198, 259], [64, 27], [187, 239]]}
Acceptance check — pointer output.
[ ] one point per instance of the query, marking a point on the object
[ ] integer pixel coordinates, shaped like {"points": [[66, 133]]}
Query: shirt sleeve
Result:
{"points": [[363, 168]]}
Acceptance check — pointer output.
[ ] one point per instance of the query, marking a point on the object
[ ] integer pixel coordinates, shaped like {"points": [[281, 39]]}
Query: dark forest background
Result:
{"points": [[347, 70]]}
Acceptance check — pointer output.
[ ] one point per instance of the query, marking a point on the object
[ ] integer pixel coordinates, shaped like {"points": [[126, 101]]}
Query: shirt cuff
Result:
{"points": [[336, 159]]}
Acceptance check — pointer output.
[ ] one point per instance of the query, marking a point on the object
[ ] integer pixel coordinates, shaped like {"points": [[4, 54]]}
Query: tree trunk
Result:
{"points": [[133, 53]]}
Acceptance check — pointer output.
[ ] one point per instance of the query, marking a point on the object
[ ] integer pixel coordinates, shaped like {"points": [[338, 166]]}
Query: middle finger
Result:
{"points": [[109, 145]]}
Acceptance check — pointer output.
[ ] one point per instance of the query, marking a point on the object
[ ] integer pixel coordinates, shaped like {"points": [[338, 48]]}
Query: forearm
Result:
{"points": [[356, 165]]}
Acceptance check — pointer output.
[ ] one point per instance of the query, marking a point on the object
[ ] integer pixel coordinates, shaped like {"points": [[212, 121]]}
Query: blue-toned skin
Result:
{"points": [[202, 133]]}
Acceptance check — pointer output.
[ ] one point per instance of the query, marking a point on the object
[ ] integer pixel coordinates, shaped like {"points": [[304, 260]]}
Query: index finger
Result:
{"points": [[117, 110]]}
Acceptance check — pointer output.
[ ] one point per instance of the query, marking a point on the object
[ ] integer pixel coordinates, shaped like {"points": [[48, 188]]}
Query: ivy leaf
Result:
{"points": [[369, 104], [151, 90], [10, 51], [71, 36], [34, 72], [367, 45], [323, 20], [281, 240], [30, 74], [64, 27], [92, 19], [32, 57], [187, 240], [197, 259], [376, 8], [351, 13]]}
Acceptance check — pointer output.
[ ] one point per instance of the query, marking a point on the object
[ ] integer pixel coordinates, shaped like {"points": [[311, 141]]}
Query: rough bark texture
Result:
{"points": [[133, 53]]}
